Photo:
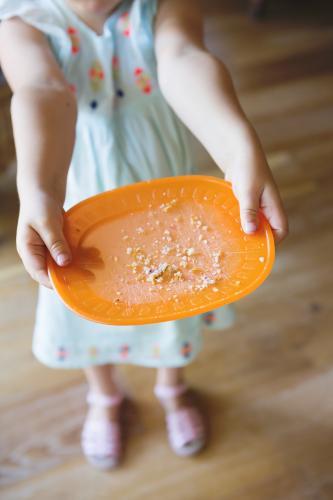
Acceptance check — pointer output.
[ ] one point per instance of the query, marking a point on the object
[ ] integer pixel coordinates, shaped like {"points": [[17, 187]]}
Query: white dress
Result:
{"points": [[126, 132]]}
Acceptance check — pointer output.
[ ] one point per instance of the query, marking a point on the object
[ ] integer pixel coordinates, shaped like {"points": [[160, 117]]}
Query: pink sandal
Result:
{"points": [[185, 426], [101, 440]]}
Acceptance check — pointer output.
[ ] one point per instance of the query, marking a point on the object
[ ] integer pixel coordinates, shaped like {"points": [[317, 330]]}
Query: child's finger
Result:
{"points": [[42, 277], [53, 237], [33, 255], [272, 208], [249, 207]]}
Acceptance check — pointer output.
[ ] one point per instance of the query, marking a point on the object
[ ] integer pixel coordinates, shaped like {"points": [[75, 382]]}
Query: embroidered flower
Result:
{"points": [[96, 76], [186, 349], [142, 81], [124, 24], [209, 318], [62, 353], [75, 39], [124, 351]]}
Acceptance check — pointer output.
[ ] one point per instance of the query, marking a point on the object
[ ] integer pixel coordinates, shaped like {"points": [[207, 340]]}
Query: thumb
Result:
{"points": [[56, 243], [249, 208]]}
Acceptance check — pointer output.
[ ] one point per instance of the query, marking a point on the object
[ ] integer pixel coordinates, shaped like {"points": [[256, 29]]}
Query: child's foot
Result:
{"points": [[185, 424], [101, 438]]}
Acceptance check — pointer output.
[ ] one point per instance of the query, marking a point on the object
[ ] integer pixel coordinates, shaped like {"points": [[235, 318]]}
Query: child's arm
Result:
{"points": [[199, 88], [44, 117]]}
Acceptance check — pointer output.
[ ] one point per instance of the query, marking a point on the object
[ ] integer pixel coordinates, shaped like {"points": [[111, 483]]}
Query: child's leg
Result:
{"points": [[101, 380], [170, 376]]}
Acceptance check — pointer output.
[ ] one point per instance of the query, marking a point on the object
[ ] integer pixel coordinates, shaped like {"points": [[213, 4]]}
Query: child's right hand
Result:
{"points": [[40, 230]]}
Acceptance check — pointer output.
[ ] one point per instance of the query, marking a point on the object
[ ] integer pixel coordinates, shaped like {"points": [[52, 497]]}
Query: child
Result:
{"points": [[101, 91]]}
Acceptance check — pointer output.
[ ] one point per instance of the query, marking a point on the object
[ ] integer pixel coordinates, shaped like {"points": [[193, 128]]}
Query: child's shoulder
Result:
{"points": [[42, 14]]}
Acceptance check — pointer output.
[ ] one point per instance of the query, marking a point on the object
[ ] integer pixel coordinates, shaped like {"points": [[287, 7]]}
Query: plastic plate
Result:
{"points": [[158, 251]]}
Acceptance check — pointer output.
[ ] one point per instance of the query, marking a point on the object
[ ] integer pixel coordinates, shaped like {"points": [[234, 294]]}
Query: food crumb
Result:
{"points": [[189, 251], [165, 250], [166, 207], [262, 259]]}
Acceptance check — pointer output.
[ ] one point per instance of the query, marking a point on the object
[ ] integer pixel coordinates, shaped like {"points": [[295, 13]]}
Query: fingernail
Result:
{"points": [[62, 259], [250, 227]]}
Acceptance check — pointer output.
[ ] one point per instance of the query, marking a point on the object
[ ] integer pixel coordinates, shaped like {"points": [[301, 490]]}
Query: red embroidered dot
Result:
{"points": [[71, 30], [138, 71], [147, 89], [75, 49], [92, 73], [124, 351], [127, 32], [101, 75]]}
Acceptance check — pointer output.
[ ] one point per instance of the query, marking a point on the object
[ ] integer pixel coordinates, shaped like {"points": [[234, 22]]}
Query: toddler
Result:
{"points": [[104, 93]]}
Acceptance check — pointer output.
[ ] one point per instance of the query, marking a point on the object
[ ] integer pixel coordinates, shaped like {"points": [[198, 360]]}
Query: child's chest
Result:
{"points": [[109, 71]]}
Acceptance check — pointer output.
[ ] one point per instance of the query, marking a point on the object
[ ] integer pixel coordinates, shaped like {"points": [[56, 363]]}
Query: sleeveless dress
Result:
{"points": [[126, 132]]}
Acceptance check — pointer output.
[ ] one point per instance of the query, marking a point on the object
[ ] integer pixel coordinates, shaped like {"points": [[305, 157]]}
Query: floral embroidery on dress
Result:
{"points": [[96, 76], [124, 351], [75, 39], [124, 24], [142, 81], [209, 318], [62, 353], [186, 349]]}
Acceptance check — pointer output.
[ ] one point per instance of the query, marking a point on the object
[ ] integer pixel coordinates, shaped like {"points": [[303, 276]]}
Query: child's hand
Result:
{"points": [[40, 229], [255, 189]]}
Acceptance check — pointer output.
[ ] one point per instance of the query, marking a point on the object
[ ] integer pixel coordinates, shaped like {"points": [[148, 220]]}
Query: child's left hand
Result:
{"points": [[254, 187]]}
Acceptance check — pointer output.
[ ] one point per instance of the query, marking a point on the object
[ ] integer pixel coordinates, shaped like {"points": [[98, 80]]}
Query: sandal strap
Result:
{"points": [[103, 400], [169, 391]]}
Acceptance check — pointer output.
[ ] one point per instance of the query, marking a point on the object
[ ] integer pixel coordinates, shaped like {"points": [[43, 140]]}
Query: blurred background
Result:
{"points": [[265, 384]]}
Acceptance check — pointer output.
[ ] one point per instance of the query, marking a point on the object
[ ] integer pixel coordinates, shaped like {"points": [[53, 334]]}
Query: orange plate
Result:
{"points": [[109, 232]]}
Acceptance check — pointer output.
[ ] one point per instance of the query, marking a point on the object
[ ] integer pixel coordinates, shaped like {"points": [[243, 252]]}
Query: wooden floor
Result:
{"points": [[266, 384]]}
